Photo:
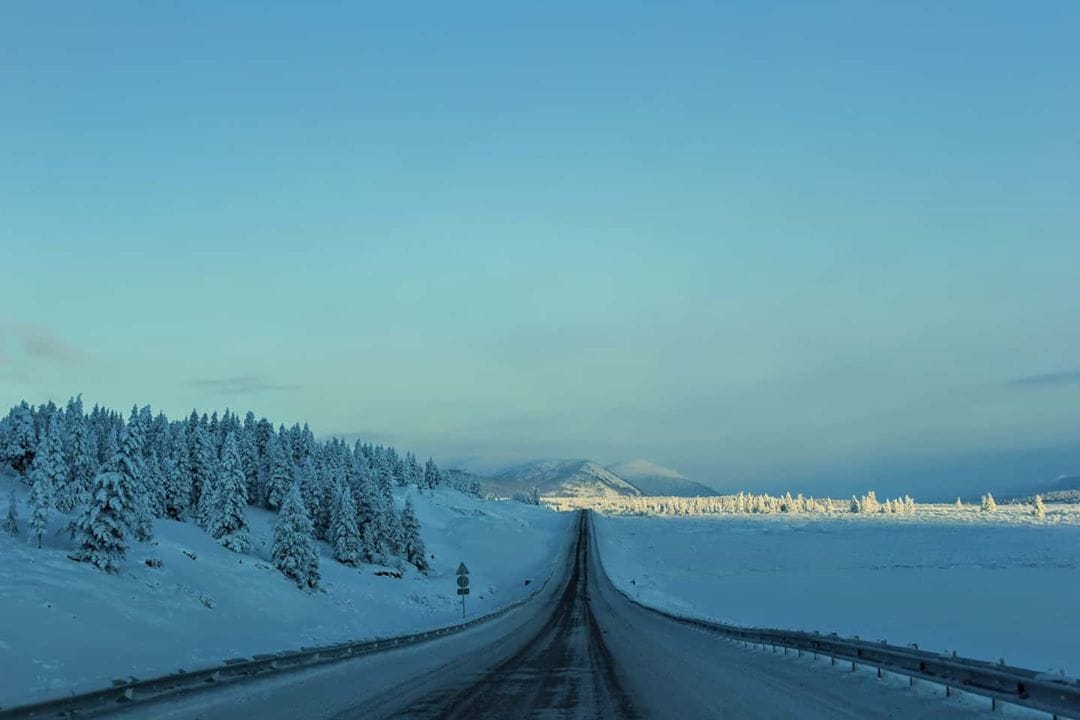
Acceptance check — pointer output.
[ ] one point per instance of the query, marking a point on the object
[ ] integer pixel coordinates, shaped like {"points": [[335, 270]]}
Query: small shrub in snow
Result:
{"points": [[293, 552], [1038, 509]]}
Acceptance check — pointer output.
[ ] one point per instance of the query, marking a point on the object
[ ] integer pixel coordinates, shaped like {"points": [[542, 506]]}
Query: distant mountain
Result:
{"points": [[1066, 488], [560, 478], [653, 479]]}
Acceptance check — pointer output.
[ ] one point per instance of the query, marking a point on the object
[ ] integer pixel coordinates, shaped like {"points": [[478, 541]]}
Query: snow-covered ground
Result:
{"points": [[983, 586], [66, 627]]}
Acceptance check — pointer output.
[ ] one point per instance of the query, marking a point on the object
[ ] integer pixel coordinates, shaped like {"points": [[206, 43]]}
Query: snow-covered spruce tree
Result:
{"points": [[20, 438], [344, 531], [431, 474], [988, 503], [176, 469], [1038, 510], [228, 524], [307, 475], [279, 473], [47, 473], [110, 513], [293, 551], [201, 462], [959, 505], [855, 507], [11, 520], [392, 523], [132, 464], [367, 518], [80, 458], [412, 543]]}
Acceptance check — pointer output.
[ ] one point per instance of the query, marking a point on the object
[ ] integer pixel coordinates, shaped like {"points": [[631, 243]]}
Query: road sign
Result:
{"points": [[462, 585]]}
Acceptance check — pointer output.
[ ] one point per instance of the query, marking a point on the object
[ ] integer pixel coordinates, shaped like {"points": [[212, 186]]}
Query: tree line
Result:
{"points": [[115, 476]]}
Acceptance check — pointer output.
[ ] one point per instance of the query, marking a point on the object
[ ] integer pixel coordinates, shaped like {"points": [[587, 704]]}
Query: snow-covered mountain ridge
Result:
{"points": [[586, 478]]}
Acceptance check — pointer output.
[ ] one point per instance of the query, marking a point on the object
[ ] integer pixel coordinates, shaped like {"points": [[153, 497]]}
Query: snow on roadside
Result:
{"points": [[66, 627], [987, 590]]}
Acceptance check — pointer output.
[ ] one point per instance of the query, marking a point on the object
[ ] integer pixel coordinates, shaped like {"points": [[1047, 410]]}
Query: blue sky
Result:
{"points": [[747, 240]]}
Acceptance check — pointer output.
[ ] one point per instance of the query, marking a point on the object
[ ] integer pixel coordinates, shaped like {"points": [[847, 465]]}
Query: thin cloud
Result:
{"points": [[240, 385], [1046, 379], [36, 342]]}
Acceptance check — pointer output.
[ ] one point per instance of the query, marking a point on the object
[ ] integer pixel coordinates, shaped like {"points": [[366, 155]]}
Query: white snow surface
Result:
{"points": [[988, 590], [67, 627]]}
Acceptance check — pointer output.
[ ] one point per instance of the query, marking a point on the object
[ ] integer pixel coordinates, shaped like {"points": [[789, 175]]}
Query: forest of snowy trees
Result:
{"points": [[113, 477]]}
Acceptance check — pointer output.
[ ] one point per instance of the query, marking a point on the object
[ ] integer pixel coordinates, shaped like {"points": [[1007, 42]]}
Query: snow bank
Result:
{"points": [[66, 627], [987, 590]]}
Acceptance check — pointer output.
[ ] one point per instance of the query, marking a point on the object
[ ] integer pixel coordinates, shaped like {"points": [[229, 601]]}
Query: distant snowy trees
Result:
{"points": [[988, 503], [742, 504], [114, 476], [1038, 509]]}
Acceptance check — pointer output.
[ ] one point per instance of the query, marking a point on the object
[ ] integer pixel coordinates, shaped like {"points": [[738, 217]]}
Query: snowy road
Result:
{"points": [[579, 650]]}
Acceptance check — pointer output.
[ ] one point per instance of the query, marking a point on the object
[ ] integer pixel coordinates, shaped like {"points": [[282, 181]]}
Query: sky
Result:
{"points": [[813, 246]]}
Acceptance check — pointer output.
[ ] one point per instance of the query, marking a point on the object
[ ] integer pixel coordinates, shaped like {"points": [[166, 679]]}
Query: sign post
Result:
{"points": [[462, 586]]}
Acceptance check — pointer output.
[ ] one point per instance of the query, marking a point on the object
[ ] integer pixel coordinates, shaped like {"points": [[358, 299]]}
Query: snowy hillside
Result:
{"points": [[563, 478], [66, 626], [988, 587], [657, 480]]}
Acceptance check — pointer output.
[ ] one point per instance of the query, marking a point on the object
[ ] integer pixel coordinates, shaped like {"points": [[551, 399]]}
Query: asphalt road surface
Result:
{"points": [[579, 650]]}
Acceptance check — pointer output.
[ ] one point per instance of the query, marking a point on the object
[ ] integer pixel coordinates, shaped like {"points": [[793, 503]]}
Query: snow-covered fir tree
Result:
{"points": [[344, 531], [11, 519], [79, 456], [412, 544], [47, 474], [431, 474], [988, 503], [1038, 509], [20, 438], [176, 474], [132, 463], [110, 514], [293, 551], [280, 473], [959, 505], [201, 462], [228, 524]]}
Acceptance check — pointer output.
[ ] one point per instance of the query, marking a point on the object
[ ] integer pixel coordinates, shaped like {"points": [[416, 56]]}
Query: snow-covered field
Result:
{"points": [[66, 627], [993, 587]]}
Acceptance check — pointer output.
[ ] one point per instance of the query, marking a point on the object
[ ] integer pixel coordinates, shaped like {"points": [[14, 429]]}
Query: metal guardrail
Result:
{"points": [[122, 694], [999, 682]]}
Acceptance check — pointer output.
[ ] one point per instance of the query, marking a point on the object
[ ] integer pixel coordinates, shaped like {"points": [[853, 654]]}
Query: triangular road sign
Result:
{"points": [[462, 570]]}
